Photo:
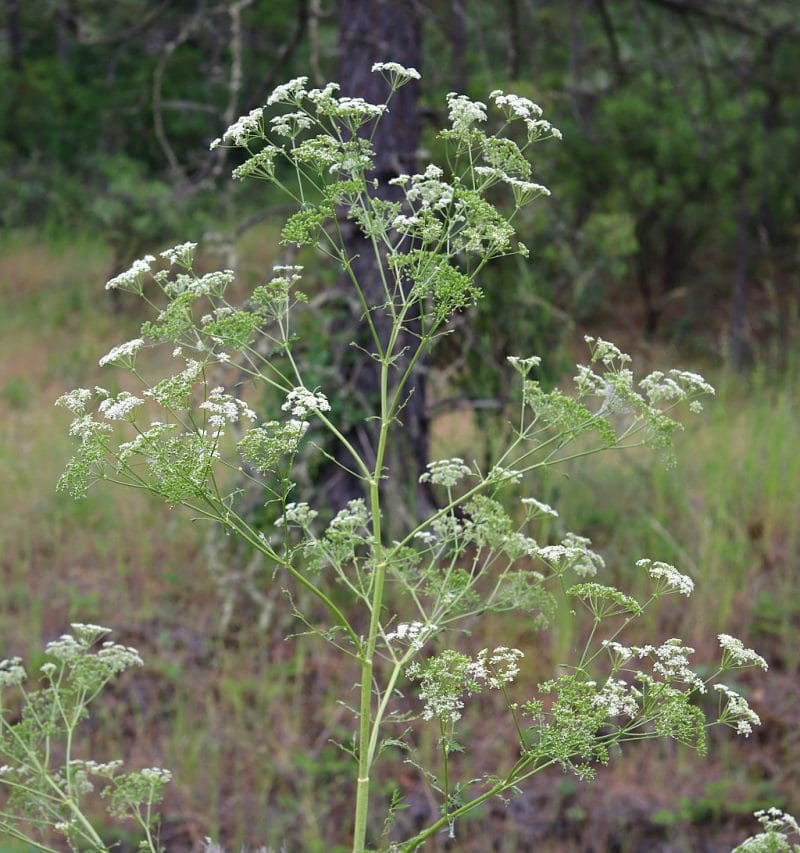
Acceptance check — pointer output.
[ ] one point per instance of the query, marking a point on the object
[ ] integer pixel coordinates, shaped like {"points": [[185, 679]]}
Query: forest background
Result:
{"points": [[673, 229]]}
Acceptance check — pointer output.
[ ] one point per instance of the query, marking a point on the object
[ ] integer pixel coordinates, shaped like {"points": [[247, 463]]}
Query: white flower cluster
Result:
{"points": [[357, 109], [496, 669], [182, 254], [122, 353], [464, 112], [445, 472], [414, 634], [514, 105], [299, 514], [668, 576], [573, 553], [525, 191], [618, 699], [606, 352], [291, 124], [119, 658], [301, 402], [537, 507], [12, 672], [677, 385], [156, 775], [659, 387], [517, 108], [395, 74], [737, 712], [426, 190], [734, 653], [86, 428], [288, 93], [443, 705], [97, 768], [212, 283], [261, 164], [351, 518], [448, 676], [621, 654], [671, 661], [75, 400], [243, 129], [142, 442], [131, 279], [777, 826], [119, 408], [173, 391], [225, 409], [524, 365]]}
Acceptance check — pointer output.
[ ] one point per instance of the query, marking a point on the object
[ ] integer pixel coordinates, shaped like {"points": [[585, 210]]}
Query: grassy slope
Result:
{"points": [[229, 706]]}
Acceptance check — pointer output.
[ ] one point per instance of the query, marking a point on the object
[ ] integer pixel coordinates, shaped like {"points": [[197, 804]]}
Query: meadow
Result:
{"points": [[228, 705]]}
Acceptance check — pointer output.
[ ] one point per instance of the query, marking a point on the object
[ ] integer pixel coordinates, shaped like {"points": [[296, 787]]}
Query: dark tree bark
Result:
{"points": [[514, 40], [458, 44], [373, 31], [16, 45], [739, 290]]}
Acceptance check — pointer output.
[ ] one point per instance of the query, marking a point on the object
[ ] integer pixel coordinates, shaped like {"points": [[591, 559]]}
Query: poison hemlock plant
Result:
{"points": [[45, 783], [779, 832], [188, 436]]}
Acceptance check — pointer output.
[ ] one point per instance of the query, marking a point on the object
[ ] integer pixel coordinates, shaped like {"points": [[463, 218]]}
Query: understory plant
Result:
{"points": [[46, 783], [404, 606]]}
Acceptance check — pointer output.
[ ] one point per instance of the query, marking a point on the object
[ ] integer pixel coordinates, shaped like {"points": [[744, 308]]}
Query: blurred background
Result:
{"points": [[673, 229]]}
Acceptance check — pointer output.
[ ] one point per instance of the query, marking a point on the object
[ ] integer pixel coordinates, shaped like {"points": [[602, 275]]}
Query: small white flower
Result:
{"points": [[464, 112], [75, 400], [395, 73], [524, 365], [736, 654], [119, 408], [606, 352], [290, 92], [515, 106], [131, 279], [182, 254], [301, 402], [668, 575], [124, 354], [413, 634], [538, 506], [12, 672], [156, 775], [618, 699], [245, 128], [445, 472], [225, 409], [737, 712]]}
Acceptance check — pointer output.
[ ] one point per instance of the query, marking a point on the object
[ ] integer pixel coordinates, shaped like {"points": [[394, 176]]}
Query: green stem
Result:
{"points": [[366, 740]]}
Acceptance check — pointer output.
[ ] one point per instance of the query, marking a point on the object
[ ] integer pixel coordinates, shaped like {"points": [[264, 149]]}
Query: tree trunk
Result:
{"points": [[16, 44], [373, 31]]}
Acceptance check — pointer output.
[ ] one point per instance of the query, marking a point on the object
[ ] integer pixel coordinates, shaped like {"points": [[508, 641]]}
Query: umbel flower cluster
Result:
{"points": [[240, 408]]}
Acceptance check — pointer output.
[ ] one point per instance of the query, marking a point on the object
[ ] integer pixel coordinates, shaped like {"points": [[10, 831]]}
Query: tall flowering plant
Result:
{"points": [[187, 437]]}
